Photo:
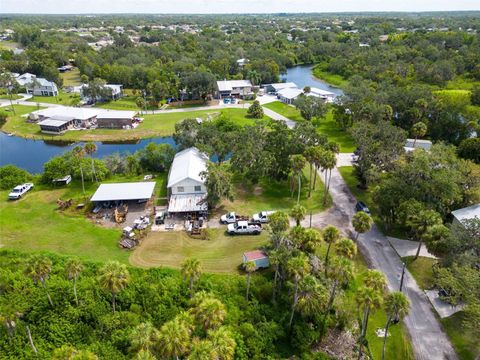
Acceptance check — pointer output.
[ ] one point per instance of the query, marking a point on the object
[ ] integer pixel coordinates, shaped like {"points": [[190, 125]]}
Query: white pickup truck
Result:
{"points": [[262, 217], [244, 228], [20, 190], [231, 217]]}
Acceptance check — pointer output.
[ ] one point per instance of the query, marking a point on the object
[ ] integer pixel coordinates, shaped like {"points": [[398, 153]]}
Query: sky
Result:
{"points": [[228, 6]]}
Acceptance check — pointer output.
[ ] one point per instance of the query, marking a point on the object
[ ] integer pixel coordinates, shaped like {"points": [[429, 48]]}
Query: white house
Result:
{"points": [[186, 187], [289, 95], [78, 117], [117, 91], [237, 88], [467, 213], [328, 96], [36, 85], [276, 87], [412, 144]]}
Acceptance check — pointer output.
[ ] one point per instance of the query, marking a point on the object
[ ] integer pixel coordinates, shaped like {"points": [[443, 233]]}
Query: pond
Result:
{"points": [[302, 76], [32, 154]]}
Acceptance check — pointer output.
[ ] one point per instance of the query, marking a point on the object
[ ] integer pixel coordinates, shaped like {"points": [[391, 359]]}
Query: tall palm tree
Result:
{"points": [[311, 296], [254, 77], [173, 339], [361, 222], [298, 267], [370, 299], [419, 129], [317, 162], [275, 258], [210, 313], [113, 277], [421, 222], [278, 225], [346, 248], [202, 349], [223, 343], [375, 279], [142, 337], [249, 267], [298, 212], [331, 235], [297, 163], [309, 155], [144, 355], [311, 240], [78, 152], [90, 149], [341, 272], [191, 270], [38, 269], [396, 307], [329, 161], [74, 268]]}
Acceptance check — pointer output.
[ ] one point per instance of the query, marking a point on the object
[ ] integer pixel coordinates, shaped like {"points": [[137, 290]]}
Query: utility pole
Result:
{"points": [[401, 279]]}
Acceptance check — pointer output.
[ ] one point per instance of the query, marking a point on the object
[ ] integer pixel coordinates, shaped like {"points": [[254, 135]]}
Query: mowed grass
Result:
{"points": [[220, 253], [333, 132], [153, 125], [286, 110], [274, 195], [422, 270], [71, 78], [63, 98]]}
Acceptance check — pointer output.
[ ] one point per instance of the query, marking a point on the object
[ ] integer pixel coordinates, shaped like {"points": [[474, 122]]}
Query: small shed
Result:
{"points": [[259, 257], [63, 181]]}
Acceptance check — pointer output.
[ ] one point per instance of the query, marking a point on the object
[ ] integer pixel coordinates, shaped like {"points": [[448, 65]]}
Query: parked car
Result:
{"points": [[244, 228], [362, 207], [231, 217], [19, 191], [262, 217]]}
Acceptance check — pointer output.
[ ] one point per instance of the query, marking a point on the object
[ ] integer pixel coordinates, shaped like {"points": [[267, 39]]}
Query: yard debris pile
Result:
{"points": [[339, 344]]}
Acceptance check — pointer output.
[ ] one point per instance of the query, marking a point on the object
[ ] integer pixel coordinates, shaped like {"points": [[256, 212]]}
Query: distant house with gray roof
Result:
{"points": [[36, 85]]}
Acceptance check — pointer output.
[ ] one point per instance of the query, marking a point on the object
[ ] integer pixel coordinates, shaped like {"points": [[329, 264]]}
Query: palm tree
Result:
{"points": [[223, 343], [90, 149], [278, 225], [341, 272], [202, 350], [140, 102], [173, 339], [144, 355], [421, 222], [309, 155], [191, 270], [74, 268], [297, 164], [298, 212], [275, 258], [210, 313], [346, 248], [317, 162], [311, 240], [376, 280], [331, 235], [370, 299], [328, 162], [419, 129], [311, 296], [142, 337], [78, 152], [396, 307], [362, 222], [254, 77], [113, 277], [38, 269], [297, 268], [249, 267]]}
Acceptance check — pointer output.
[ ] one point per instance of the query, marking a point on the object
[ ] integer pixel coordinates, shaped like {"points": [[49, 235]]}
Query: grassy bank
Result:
{"points": [[320, 72], [153, 125], [63, 98]]}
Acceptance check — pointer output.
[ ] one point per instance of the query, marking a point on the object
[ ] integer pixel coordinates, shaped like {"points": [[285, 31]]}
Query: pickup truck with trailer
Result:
{"points": [[262, 217], [20, 190], [244, 228], [231, 217]]}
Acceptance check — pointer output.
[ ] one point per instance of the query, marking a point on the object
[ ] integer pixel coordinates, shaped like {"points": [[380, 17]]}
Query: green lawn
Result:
{"points": [[124, 103], [7, 97], [153, 125], [330, 129], [320, 71], [286, 110], [220, 253], [63, 98], [273, 195], [71, 78], [422, 270], [33, 223]]}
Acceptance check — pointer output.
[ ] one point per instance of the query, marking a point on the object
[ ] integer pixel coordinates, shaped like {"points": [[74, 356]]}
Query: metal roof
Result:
{"points": [[228, 85], [285, 85], [54, 122], [124, 191], [116, 114], [187, 164], [467, 213], [187, 203], [290, 93], [68, 111], [254, 255]]}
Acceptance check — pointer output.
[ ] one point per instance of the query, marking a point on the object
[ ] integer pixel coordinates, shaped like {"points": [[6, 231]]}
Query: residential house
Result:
{"points": [[471, 212], [328, 96], [237, 88], [117, 119], [116, 92], [82, 118], [276, 87], [56, 124], [412, 144], [289, 95], [186, 187], [36, 85], [259, 257]]}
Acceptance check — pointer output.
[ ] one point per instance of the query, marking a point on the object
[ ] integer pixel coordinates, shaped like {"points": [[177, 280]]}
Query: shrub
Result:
{"points": [[10, 176], [255, 110]]}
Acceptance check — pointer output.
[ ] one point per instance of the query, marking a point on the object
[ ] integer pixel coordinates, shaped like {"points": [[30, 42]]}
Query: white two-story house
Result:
{"points": [[186, 187]]}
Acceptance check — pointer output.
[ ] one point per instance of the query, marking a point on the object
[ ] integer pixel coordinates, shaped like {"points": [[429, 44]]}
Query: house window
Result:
{"points": [[180, 189], [198, 188]]}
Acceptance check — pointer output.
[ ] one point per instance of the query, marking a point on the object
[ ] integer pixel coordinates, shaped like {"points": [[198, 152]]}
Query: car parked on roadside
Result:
{"points": [[362, 207], [20, 190], [262, 217]]}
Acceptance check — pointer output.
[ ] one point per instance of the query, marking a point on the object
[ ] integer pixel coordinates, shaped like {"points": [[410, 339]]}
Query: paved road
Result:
{"points": [[428, 340]]}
